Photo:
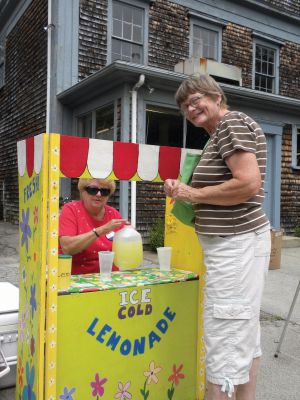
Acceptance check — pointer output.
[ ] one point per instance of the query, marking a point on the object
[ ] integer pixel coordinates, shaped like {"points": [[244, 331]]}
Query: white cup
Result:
{"points": [[164, 258], [106, 259]]}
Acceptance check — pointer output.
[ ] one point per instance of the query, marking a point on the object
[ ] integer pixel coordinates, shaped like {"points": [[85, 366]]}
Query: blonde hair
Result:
{"points": [[82, 183], [203, 84]]}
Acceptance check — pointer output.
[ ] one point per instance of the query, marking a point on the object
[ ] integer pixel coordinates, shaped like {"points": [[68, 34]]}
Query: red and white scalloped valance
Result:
{"points": [[102, 157]]}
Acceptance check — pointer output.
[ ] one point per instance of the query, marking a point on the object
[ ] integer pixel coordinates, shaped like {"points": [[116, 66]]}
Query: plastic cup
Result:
{"points": [[164, 258], [106, 259], [64, 271]]}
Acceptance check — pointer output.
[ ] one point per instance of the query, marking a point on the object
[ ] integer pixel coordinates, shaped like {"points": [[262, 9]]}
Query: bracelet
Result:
{"points": [[95, 232]]}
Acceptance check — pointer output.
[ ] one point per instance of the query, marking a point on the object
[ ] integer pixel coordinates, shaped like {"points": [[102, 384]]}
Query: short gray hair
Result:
{"points": [[203, 84]]}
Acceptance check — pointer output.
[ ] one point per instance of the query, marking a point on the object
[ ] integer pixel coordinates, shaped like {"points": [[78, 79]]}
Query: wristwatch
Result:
{"points": [[95, 232]]}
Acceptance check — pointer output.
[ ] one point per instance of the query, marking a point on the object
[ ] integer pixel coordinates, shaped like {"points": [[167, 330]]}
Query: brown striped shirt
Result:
{"points": [[236, 131]]}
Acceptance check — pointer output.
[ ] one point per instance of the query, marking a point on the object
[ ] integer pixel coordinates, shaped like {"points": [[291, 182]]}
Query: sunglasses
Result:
{"points": [[93, 190]]}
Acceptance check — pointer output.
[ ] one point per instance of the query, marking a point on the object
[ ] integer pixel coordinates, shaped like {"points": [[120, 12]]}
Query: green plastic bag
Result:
{"points": [[184, 210]]}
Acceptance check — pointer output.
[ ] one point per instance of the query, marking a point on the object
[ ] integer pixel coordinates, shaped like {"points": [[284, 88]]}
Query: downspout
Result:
{"points": [[49, 29], [133, 140]]}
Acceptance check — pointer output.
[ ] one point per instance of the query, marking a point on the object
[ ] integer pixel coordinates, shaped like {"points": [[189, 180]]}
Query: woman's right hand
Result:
{"points": [[111, 225], [76, 244], [170, 185]]}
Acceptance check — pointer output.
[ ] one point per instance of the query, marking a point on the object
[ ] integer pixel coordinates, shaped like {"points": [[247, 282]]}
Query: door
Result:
{"points": [[269, 186]]}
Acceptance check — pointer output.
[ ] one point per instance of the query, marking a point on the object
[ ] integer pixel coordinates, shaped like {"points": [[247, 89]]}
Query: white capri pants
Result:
{"points": [[236, 267]]}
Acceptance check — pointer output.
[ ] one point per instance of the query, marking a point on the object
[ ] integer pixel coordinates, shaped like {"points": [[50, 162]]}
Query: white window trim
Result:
{"points": [[271, 45], [206, 24], [135, 3], [295, 129]]}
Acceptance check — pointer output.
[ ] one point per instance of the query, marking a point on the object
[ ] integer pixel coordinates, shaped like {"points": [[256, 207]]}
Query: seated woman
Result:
{"points": [[87, 226]]}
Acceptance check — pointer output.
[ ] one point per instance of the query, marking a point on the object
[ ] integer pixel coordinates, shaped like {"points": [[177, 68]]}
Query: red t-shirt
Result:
{"points": [[75, 220]]}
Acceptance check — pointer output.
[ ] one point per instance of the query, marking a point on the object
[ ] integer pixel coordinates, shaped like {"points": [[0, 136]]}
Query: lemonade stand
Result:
{"points": [[136, 336]]}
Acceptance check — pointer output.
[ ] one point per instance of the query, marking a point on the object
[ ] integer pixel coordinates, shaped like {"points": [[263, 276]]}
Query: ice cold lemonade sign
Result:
{"points": [[140, 338], [132, 305]]}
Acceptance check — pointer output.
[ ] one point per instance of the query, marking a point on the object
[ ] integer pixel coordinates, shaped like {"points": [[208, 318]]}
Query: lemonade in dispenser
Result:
{"points": [[128, 248]]}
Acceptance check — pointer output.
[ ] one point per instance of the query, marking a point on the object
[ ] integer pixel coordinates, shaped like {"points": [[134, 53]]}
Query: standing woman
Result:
{"points": [[87, 226], [227, 192]]}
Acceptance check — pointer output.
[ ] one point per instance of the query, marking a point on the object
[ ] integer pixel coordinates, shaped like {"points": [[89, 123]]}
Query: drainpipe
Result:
{"points": [[133, 140], [49, 29]]}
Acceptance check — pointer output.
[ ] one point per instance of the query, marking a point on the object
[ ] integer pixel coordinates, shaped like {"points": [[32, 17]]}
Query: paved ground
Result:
{"points": [[279, 377]]}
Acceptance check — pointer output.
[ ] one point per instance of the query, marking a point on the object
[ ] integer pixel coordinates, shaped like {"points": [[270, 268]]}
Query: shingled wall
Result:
{"points": [[237, 50], [23, 97], [92, 37], [290, 186], [168, 34], [289, 70], [288, 6]]}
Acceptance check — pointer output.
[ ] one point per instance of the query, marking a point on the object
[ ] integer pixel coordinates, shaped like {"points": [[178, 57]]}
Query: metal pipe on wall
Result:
{"points": [[135, 88], [49, 29]]}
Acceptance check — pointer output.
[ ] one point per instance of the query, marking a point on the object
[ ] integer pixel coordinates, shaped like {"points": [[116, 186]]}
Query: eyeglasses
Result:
{"points": [[93, 190], [193, 102]]}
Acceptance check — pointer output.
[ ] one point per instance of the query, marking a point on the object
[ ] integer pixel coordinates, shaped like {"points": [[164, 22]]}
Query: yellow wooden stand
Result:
{"points": [[42, 161]]}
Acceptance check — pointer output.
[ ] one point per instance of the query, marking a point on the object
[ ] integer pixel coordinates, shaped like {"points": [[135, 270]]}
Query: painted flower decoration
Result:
{"points": [[52, 329], [151, 374], [177, 375], [24, 274], [28, 393], [22, 327], [53, 307], [54, 216], [123, 393], [55, 151], [97, 386], [35, 215], [20, 372], [53, 287], [32, 345], [67, 394], [25, 228], [54, 233], [51, 365], [32, 299]]}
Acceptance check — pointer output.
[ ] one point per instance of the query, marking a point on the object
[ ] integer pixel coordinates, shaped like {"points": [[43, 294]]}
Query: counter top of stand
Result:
{"points": [[121, 279]]}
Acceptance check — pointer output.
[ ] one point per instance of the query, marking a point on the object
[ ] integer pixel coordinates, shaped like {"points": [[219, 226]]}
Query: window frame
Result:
{"points": [[295, 136], [215, 26], [93, 113], [142, 5], [271, 45]]}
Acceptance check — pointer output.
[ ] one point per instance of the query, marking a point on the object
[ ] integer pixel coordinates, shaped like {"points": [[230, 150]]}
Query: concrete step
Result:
{"points": [[290, 241]]}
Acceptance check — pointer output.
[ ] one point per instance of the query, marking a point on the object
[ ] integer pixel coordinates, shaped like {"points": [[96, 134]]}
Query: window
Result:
{"points": [[296, 147], [205, 43], [97, 124], [266, 60], [2, 64], [164, 126], [105, 123], [205, 40], [167, 127], [127, 33]]}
